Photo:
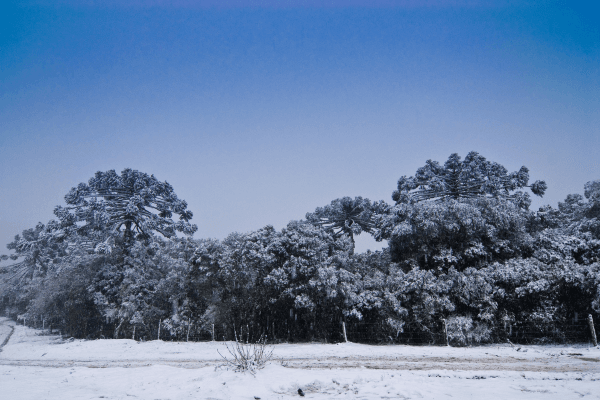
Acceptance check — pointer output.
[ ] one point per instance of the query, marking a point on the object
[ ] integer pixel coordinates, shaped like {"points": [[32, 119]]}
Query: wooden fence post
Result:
{"points": [[446, 333], [187, 338], [213, 332], [133, 335], [159, 322], [592, 330], [344, 330]]}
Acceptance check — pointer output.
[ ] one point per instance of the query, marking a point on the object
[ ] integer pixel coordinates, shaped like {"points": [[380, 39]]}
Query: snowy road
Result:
{"points": [[568, 363], [44, 366]]}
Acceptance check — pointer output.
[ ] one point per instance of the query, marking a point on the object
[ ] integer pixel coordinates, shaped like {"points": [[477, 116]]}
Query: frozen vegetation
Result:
{"points": [[467, 262]]}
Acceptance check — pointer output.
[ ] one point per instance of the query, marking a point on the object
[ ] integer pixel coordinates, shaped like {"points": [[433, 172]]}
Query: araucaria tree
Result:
{"points": [[473, 177], [345, 216], [462, 214], [35, 249], [104, 238], [134, 203]]}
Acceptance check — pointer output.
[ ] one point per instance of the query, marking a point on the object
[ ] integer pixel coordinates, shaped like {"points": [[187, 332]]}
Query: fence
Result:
{"points": [[440, 334], [437, 333]]}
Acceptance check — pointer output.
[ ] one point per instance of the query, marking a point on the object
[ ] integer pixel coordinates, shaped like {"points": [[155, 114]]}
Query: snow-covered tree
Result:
{"points": [[465, 252], [455, 233], [35, 250], [346, 216], [62, 298], [582, 215], [308, 284], [473, 177], [106, 232], [134, 203], [278, 283]]}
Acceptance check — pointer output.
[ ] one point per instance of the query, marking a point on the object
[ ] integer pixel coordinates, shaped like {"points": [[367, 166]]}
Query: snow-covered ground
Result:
{"points": [[34, 366]]}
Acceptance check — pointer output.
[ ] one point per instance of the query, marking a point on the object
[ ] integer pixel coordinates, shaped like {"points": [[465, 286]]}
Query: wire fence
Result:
{"points": [[440, 334], [437, 333]]}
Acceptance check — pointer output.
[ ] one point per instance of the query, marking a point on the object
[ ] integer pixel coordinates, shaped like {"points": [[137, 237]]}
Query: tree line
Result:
{"points": [[465, 255]]}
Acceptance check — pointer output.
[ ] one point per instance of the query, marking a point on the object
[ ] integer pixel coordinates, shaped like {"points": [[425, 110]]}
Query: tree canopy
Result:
{"points": [[459, 215], [35, 249], [134, 203], [455, 234], [473, 177], [346, 216]]}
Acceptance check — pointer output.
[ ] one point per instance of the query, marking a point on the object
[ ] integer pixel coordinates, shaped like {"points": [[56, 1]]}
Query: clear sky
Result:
{"points": [[259, 111]]}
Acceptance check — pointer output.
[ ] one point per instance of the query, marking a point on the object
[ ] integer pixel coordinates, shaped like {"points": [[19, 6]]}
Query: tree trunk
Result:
{"points": [[116, 335]]}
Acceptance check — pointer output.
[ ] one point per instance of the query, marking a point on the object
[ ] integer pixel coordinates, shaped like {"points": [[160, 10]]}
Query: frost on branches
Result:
{"points": [[466, 257], [134, 203]]}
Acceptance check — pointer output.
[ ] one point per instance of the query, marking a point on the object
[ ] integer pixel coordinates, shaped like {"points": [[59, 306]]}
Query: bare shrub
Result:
{"points": [[249, 357]]}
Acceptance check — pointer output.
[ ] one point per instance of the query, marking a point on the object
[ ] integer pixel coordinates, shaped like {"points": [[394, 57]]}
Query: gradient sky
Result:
{"points": [[259, 111]]}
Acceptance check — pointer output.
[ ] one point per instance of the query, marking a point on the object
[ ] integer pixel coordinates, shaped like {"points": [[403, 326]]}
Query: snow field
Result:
{"points": [[277, 382]]}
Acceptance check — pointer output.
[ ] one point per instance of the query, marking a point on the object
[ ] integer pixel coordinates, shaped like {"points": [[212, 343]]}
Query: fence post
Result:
{"points": [[133, 335], [446, 333], [344, 330], [213, 332], [159, 322], [592, 330], [187, 338]]}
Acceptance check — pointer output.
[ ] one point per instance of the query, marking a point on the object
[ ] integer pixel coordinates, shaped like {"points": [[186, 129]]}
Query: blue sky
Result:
{"points": [[259, 111]]}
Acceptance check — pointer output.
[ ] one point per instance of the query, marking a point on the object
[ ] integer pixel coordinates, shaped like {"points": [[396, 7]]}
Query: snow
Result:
{"points": [[35, 366]]}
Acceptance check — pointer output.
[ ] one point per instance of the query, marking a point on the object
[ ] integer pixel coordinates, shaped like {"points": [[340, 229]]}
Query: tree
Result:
{"points": [[307, 285], [63, 298], [582, 216], [576, 232], [37, 248], [345, 216], [134, 203], [453, 233], [107, 233], [462, 214], [473, 177]]}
